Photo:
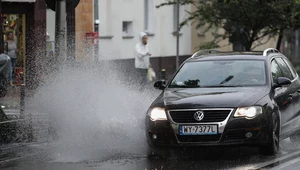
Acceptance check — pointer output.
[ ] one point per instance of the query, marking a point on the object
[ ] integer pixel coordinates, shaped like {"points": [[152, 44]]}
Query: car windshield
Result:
{"points": [[227, 73]]}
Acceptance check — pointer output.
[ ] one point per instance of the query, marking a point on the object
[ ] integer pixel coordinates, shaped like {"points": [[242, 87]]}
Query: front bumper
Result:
{"points": [[232, 131]]}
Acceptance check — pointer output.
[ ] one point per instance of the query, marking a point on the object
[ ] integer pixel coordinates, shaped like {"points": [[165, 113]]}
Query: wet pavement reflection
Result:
{"points": [[44, 156]]}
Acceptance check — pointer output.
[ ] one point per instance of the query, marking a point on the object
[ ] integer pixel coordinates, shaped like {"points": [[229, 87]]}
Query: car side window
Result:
{"points": [[292, 68], [275, 70], [284, 68]]}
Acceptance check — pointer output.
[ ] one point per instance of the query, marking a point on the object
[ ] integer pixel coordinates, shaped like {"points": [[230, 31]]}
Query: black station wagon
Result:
{"points": [[226, 98]]}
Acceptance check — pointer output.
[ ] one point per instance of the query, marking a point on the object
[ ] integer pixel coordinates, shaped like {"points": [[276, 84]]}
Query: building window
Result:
{"points": [[127, 28], [149, 16]]}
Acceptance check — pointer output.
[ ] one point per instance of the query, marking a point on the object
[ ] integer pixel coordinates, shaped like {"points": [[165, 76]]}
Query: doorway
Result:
{"points": [[14, 25]]}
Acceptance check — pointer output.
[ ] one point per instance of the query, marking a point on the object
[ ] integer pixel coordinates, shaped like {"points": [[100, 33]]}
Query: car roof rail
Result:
{"points": [[270, 50], [201, 52]]}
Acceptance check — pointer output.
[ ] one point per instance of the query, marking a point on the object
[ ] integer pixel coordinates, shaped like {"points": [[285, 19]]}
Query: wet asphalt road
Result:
{"points": [[47, 156]]}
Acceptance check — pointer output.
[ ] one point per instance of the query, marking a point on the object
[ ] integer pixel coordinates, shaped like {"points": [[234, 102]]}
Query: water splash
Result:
{"points": [[93, 113]]}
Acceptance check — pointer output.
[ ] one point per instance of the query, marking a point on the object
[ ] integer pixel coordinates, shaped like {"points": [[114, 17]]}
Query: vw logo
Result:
{"points": [[199, 116]]}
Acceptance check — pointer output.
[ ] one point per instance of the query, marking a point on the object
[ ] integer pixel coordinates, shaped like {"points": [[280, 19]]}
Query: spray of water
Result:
{"points": [[93, 113]]}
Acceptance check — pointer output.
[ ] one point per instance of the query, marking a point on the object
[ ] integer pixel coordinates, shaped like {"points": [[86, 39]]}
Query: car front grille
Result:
{"points": [[187, 116], [198, 138]]}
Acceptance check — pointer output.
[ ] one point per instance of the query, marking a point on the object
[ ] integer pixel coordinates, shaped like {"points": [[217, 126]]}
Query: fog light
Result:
{"points": [[154, 136], [248, 135]]}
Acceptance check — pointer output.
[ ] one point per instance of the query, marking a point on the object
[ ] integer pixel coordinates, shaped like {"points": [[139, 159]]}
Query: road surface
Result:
{"points": [[54, 156]]}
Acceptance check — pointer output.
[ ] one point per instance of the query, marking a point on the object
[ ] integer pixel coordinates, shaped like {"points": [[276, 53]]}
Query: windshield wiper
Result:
{"points": [[221, 85], [227, 79], [183, 86], [212, 86]]}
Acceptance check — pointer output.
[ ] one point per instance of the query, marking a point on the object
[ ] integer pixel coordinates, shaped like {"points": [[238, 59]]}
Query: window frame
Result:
{"points": [[129, 26], [273, 59], [291, 67], [148, 16], [282, 68]]}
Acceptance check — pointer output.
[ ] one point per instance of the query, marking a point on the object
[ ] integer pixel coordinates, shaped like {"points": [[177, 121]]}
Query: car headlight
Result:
{"points": [[157, 114], [248, 112]]}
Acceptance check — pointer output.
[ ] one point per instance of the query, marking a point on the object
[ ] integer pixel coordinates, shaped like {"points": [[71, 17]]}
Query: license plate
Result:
{"points": [[198, 130]]}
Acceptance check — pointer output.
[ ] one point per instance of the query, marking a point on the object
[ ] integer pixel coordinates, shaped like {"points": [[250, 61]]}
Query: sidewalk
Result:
{"points": [[36, 122], [12, 98]]}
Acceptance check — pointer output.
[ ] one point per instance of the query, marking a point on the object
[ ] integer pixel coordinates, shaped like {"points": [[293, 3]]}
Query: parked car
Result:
{"points": [[9, 126], [226, 98], [5, 67], [13, 126]]}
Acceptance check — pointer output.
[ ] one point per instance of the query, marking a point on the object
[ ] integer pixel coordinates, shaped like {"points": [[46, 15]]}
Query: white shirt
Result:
{"points": [[141, 58]]}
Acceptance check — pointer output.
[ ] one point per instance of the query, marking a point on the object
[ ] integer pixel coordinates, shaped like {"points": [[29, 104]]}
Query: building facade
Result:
{"points": [[121, 21]]}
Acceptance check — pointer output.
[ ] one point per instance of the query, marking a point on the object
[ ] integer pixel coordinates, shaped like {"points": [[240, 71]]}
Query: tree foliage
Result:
{"points": [[244, 21]]}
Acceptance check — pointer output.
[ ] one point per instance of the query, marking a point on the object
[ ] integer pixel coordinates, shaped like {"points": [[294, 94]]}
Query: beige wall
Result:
{"points": [[271, 43], [83, 24], [202, 38], [199, 38]]}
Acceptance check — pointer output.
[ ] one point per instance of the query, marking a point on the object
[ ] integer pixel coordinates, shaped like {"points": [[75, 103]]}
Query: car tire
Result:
{"points": [[157, 153], [272, 146]]}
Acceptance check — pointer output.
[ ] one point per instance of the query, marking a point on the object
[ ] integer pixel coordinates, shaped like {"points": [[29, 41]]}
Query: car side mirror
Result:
{"points": [[161, 84], [282, 81]]}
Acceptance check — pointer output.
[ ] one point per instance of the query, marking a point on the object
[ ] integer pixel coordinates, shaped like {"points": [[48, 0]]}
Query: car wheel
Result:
{"points": [[272, 147], [157, 153]]}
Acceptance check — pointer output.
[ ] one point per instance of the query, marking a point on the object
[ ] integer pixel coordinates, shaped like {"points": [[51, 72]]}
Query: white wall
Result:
{"points": [[163, 43]]}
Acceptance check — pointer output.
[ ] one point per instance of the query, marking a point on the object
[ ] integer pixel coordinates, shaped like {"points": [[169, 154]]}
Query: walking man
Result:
{"points": [[142, 61]]}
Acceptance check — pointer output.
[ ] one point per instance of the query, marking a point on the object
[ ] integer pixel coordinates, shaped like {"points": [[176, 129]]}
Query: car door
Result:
{"points": [[296, 83], [281, 94], [292, 89]]}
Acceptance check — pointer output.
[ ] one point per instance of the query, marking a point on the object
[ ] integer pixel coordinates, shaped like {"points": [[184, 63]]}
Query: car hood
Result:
{"points": [[212, 97]]}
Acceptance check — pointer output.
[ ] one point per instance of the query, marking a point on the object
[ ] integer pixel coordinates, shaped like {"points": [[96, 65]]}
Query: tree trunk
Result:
{"points": [[279, 40], [248, 46], [238, 46], [248, 49]]}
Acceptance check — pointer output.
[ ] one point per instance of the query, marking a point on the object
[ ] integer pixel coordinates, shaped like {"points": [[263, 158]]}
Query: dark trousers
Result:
{"points": [[142, 77], [13, 63]]}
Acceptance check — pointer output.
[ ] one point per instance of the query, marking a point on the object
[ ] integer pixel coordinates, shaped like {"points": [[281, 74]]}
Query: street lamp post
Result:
{"points": [[60, 29], [177, 35], [61, 7]]}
